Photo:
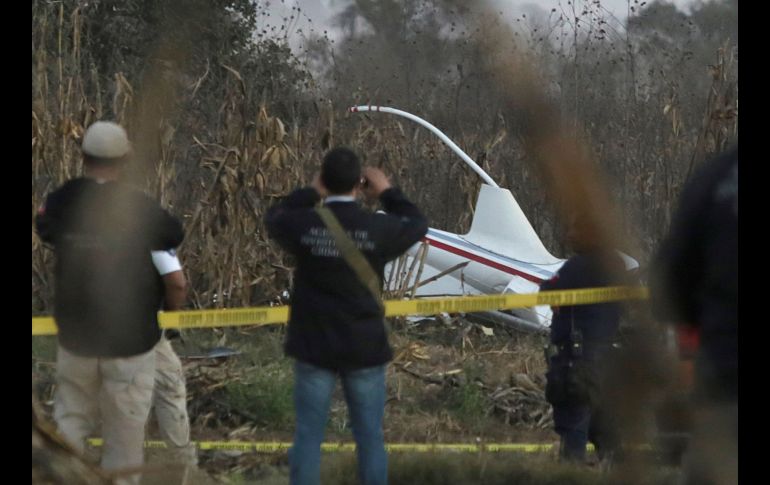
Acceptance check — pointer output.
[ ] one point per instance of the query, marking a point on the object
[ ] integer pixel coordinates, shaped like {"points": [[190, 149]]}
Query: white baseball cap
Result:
{"points": [[105, 139]]}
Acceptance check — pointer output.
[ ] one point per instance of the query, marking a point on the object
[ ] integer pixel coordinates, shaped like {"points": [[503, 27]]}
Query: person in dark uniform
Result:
{"points": [[581, 338], [337, 323], [694, 285], [107, 295]]}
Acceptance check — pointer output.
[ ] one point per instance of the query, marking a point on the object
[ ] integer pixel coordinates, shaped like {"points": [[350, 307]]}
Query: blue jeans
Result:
{"points": [[365, 396], [572, 423]]}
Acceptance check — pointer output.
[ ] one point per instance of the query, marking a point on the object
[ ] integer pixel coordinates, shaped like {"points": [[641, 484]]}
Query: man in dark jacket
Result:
{"points": [[581, 338], [337, 323], [107, 295], [695, 285]]}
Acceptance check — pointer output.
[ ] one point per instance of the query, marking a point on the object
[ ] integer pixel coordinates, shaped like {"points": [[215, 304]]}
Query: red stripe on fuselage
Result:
{"points": [[482, 260]]}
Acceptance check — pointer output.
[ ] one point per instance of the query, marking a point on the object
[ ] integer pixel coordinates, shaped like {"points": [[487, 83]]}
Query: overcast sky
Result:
{"points": [[316, 15]]}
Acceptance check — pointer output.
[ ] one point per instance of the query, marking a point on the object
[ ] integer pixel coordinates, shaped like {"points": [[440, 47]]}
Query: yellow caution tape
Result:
{"points": [[43, 326], [469, 304], [230, 317], [274, 446]]}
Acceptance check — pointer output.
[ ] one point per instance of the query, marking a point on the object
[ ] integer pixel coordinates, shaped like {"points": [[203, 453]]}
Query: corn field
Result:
{"points": [[224, 125]]}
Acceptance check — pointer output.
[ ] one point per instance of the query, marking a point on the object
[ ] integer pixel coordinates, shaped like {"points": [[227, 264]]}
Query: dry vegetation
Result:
{"points": [[225, 122], [653, 97]]}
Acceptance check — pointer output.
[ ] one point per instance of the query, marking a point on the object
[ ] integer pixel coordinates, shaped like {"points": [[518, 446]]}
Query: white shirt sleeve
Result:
{"points": [[166, 262]]}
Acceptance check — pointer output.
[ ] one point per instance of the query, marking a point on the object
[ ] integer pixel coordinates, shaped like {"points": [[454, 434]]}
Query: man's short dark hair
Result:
{"points": [[341, 170]]}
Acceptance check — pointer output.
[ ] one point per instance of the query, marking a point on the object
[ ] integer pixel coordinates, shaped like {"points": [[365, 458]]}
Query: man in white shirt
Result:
{"points": [[170, 394]]}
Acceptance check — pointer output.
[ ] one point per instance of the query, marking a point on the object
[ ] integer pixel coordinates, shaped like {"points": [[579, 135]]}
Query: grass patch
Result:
{"points": [[258, 345], [43, 367], [266, 395], [468, 404], [44, 348], [487, 469]]}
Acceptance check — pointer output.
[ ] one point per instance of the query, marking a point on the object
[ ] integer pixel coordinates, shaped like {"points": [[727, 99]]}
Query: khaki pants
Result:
{"points": [[117, 390], [170, 404]]}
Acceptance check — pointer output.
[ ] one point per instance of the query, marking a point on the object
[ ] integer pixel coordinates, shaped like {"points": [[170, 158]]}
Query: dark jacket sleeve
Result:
{"points": [[281, 219], [48, 220], [167, 232], [170, 234], [676, 269], [406, 224], [564, 279], [552, 284]]}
